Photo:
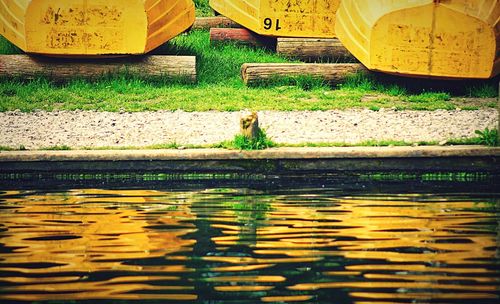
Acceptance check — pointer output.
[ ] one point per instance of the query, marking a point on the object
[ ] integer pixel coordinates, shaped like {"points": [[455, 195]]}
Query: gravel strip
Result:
{"points": [[78, 129]]}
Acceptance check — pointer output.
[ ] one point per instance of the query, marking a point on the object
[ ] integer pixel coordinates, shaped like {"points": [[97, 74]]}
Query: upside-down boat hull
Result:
{"points": [[93, 27], [282, 18], [430, 38]]}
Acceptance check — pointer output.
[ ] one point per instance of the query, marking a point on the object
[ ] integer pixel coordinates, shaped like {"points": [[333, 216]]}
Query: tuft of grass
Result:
{"points": [[359, 82], [368, 83], [202, 8], [485, 90], [393, 90], [57, 148], [429, 97], [488, 137], [241, 142], [172, 145], [470, 108], [464, 141]]}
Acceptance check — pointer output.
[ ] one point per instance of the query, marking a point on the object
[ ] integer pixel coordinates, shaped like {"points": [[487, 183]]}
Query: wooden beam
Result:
{"points": [[64, 69], [332, 73], [205, 23], [314, 49], [240, 36]]}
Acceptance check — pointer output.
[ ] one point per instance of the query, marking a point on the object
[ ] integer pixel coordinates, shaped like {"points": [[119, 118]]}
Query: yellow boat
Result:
{"points": [[282, 18], [430, 38], [93, 27]]}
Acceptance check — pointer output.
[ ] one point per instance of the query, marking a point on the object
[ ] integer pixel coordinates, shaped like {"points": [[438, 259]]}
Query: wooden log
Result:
{"points": [[64, 69], [240, 36], [332, 73], [314, 49], [249, 126], [205, 23]]}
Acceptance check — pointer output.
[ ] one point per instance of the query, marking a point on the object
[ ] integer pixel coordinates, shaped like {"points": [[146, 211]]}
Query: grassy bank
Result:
{"points": [[219, 87]]}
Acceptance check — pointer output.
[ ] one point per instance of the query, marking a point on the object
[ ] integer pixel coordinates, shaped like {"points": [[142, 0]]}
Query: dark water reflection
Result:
{"points": [[245, 246]]}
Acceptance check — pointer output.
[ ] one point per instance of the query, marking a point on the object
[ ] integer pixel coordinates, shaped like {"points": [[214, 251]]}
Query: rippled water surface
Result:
{"points": [[247, 246]]}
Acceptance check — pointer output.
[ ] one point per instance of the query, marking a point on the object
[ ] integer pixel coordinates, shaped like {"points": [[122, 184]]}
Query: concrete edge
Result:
{"points": [[274, 153]]}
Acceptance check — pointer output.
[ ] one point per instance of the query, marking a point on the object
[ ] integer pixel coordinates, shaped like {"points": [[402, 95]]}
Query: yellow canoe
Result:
{"points": [[430, 38], [282, 18], [93, 27]]}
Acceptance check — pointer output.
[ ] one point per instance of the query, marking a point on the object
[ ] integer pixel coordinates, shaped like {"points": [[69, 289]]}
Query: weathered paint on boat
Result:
{"points": [[93, 27], [431, 38], [282, 18]]}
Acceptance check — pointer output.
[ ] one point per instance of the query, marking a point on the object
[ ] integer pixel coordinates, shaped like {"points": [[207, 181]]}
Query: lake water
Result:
{"points": [[224, 245]]}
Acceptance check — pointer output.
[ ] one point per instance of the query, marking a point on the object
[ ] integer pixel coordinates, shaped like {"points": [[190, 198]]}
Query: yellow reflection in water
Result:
{"points": [[241, 288], [429, 238], [397, 248], [287, 298], [85, 232]]}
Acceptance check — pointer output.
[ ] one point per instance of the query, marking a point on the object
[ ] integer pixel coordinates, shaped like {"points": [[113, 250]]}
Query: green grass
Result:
{"points": [[486, 90], [241, 142], [367, 143], [219, 64], [488, 137], [387, 143], [18, 148], [5, 148], [304, 82], [429, 97], [203, 9], [57, 148], [8, 48], [219, 87], [133, 95]]}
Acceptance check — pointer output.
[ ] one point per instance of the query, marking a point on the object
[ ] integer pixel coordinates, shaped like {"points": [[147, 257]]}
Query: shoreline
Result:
{"points": [[269, 161]]}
